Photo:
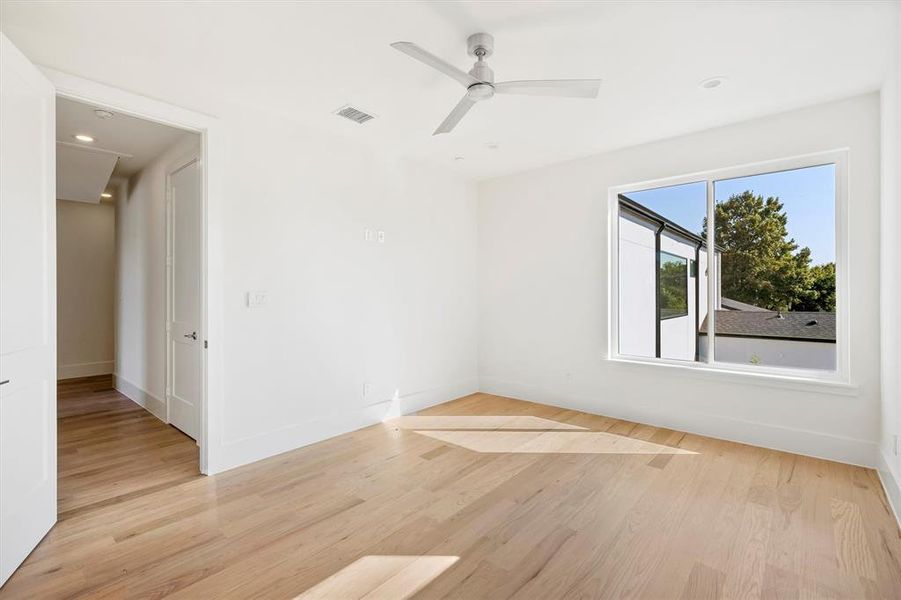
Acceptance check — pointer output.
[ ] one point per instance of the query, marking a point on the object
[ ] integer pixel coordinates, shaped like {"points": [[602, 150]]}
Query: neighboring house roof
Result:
{"points": [[800, 326], [730, 304], [671, 226]]}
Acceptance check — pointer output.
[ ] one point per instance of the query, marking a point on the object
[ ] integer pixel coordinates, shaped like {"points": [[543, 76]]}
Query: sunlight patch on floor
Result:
{"points": [[380, 577], [480, 422], [551, 442]]}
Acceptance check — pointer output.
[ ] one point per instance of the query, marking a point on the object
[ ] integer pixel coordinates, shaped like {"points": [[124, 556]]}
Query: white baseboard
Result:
{"points": [[797, 441], [891, 482], [153, 404], [73, 371], [250, 449]]}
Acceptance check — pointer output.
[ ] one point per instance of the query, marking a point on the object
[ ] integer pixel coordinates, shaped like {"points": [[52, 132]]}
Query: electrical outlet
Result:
{"points": [[367, 390]]}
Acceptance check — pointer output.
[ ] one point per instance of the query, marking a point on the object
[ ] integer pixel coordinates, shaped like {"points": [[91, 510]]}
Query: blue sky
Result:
{"points": [[808, 196]]}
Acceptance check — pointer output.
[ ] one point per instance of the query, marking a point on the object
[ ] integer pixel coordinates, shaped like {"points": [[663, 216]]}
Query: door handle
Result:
{"points": [[192, 335], [5, 381]]}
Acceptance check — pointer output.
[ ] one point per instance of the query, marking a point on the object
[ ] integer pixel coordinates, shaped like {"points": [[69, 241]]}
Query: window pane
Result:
{"points": [[775, 236], [661, 255], [673, 286]]}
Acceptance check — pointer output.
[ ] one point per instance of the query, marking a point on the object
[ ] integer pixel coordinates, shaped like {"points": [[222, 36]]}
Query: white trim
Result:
{"points": [[891, 483], [150, 402], [213, 153], [746, 375], [785, 439], [104, 367], [252, 448], [801, 377]]}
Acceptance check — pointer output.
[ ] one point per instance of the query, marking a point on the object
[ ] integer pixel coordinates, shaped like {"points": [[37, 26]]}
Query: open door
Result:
{"points": [[185, 297], [27, 308]]}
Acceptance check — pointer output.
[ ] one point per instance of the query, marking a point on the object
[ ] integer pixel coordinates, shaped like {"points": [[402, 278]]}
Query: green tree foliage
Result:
{"points": [[673, 286], [822, 288], [761, 265]]}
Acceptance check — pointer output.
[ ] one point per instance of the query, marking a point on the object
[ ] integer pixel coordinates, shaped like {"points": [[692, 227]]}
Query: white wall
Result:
{"points": [[890, 465], [400, 316], [85, 248], [544, 295], [141, 279]]}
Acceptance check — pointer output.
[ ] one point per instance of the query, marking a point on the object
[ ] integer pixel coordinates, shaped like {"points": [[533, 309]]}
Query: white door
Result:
{"points": [[27, 308], [185, 341]]}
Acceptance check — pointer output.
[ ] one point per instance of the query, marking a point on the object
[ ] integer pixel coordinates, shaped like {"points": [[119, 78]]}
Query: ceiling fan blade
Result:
{"points": [[411, 49], [455, 115], [571, 88]]}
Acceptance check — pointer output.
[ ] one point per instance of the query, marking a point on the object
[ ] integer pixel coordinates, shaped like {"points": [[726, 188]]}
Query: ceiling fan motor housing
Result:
{"points": [[480, 45]]}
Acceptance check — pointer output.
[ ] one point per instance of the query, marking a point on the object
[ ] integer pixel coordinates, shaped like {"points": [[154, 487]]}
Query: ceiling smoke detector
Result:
{"points": [[712, 83]]}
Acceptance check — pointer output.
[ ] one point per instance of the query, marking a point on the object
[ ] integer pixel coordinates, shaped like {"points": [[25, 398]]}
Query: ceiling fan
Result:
{"points": [[479, 82]]}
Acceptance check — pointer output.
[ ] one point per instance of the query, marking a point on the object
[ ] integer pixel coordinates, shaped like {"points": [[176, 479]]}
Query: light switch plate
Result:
{"points": [[381, 236], [256, 299]]}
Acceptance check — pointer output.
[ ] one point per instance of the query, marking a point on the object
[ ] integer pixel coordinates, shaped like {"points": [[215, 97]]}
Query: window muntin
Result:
{"points": [[806, 187], [672, 286]]}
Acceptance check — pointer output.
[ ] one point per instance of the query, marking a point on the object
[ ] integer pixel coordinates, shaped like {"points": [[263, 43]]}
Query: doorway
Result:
{"points": [[129, 256], [28, 281]]}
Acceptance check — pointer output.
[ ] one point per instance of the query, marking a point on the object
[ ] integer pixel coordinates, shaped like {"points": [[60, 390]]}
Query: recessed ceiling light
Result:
{"points": [[459, 157], [712, 82], [84, 138], [492, 145], [103, 114], [106, 195]]}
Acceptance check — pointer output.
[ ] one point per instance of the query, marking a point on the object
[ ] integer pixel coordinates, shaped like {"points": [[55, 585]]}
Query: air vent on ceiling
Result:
{"points": [[354, 114]]}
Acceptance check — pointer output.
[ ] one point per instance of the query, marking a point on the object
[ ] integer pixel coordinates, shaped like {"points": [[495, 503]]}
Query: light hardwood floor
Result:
{"points": [[483, 497]]}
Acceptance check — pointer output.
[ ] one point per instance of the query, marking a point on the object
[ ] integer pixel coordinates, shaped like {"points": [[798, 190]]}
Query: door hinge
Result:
{"points": [[205, 344]]}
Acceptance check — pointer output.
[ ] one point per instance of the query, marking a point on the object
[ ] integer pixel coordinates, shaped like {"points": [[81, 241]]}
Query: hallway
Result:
{"points": [[112, 450]]}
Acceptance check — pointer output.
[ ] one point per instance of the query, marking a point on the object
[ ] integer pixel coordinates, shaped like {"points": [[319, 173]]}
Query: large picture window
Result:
{"points": [[738, 268]]}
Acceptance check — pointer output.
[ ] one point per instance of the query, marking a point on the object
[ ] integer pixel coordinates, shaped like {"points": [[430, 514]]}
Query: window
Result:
{"points": [[770, 276], [672, 286]]}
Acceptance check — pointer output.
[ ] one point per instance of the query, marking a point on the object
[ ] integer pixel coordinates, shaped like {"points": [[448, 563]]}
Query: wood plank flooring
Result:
{"points": [[110, 449], [482, 497]]}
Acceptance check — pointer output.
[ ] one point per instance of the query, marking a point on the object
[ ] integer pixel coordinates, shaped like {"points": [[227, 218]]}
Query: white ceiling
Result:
{"points": [[138, 141], [304, 60]]}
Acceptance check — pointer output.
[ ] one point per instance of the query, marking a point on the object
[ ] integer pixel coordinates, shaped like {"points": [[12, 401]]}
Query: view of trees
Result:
{"points": [[673, 291], [761, 265]]}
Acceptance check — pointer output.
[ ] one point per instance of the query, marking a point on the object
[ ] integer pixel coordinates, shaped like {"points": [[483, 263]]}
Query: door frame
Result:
{"points": [[212, 179], [182, 162]]}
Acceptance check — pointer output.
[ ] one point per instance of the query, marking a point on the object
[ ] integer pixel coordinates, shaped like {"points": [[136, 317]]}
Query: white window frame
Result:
{"points": [[841, 377]]}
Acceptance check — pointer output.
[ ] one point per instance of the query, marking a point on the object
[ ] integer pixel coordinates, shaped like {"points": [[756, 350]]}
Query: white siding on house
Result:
{"points": [[677, 335], [638, 292], [637, 287], [772, 352]]}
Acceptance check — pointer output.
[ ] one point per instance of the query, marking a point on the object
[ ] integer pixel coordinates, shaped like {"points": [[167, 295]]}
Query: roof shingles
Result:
{"points": [[800, 325]]}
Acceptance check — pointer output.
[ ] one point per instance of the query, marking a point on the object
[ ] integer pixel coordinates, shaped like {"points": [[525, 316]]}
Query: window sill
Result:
{"points": [[721, 374]]}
